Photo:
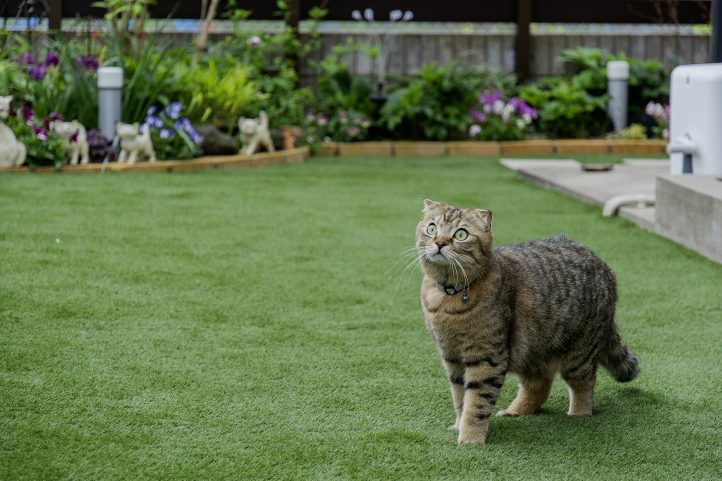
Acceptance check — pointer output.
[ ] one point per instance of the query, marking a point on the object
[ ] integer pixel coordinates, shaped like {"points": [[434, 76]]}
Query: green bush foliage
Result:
{"points": [[566, 109], [436, 104]]}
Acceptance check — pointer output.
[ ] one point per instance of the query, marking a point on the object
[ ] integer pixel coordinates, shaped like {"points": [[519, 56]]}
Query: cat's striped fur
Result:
{"points": [[534, 308]]}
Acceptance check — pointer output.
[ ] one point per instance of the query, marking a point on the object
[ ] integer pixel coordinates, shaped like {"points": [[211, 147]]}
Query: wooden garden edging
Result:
{"points": [[472, 148], [291, 156]]}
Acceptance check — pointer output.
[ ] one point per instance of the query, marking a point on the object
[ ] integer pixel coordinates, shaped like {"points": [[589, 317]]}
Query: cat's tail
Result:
{"points": [[616, 358]]}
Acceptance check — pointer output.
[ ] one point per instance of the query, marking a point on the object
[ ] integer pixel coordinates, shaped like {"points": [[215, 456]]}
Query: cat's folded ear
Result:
{"points": [[431, 205], [483, 216]]}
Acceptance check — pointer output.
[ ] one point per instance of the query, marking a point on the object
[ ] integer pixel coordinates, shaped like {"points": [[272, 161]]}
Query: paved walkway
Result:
{"points": [[634, 176]]}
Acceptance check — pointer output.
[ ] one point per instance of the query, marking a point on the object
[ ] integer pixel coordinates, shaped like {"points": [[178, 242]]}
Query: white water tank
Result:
{"points": [[695, 121]]}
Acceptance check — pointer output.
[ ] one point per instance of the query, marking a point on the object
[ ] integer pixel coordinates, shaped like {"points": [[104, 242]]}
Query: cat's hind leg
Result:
{"points": [[580, 383], [533, 391]]}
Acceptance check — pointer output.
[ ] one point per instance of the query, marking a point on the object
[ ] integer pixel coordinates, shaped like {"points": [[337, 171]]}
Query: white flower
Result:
{"points": [[487, 109], [395, 15], [526, 118], [649, 109], [520, 124], [498, 107], [474, 130]]}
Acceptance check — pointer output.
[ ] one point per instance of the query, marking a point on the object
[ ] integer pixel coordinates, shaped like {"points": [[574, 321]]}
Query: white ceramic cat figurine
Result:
{"points": [[133, 144], [78, 149], [12, 151], [254, 133]]}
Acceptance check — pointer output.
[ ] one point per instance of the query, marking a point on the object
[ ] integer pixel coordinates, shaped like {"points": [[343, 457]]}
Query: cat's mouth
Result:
{"points": [[438, 258]]}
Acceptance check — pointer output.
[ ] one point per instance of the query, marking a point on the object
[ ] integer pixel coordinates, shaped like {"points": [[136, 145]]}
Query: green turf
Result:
{"points": [[245, 324]]}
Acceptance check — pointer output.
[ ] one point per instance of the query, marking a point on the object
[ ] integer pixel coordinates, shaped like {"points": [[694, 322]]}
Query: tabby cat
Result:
{"points": [[534, 308]]}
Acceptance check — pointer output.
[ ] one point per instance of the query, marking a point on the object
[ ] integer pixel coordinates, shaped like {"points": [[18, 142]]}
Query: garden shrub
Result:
{"points": [[435, 105], [270, 60], [44, 146], [213, 94], [498, 118], [566, 109], [343, 126]]}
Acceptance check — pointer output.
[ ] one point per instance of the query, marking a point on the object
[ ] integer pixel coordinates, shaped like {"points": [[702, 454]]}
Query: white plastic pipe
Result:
{"points": [[612, 205]]}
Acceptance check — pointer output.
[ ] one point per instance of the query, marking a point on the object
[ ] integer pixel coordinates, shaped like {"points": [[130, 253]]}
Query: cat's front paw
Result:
{"points": [[471, 436], [508, 412], [471, 440]]}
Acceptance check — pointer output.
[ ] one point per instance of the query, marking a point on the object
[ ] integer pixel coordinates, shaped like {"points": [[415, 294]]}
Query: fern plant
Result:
{"points": [[213, 94]]}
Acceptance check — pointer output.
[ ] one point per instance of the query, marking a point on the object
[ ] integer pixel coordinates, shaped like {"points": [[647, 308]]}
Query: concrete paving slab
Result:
{"points": [[688, 208], [566, 176]]}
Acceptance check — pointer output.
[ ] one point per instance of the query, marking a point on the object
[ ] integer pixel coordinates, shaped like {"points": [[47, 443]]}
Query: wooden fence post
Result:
{"points": [[55, 15], [716, 37], [522, 48], [293, 19]]}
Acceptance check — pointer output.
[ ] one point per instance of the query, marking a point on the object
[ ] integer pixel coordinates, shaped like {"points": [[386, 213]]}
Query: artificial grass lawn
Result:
{"points": [[243, 324]]}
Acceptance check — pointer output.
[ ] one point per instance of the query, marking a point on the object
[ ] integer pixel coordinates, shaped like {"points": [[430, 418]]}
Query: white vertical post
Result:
{"points": [[110, 99], [617, 88]]}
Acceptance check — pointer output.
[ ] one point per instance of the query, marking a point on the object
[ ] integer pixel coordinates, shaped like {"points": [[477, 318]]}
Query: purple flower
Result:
{"points": [[478, 116], [26, 113], [254, 41], [26, 58], [56, 116], [198, 139], [165, 134], [89, 62], [51, 60], [173, 110], [490, 98], [153, 109], [37, 72]]}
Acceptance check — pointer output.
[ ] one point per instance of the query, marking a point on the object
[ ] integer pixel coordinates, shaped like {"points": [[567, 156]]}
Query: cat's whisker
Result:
{"points": [[402, 257], [408, 269]]}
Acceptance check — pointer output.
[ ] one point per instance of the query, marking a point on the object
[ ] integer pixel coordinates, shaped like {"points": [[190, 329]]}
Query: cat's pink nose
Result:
{"points": [[441, 244]]}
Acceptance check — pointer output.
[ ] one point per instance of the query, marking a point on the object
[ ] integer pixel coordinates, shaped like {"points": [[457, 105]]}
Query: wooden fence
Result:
{"points": [[497, 50]]}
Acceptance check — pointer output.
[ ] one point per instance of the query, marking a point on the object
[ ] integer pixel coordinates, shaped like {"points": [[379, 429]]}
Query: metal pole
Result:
{"points": [[716, 38]]}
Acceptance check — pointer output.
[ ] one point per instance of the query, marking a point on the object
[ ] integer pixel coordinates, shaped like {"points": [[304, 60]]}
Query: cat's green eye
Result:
{"points": [[431, 229], [461, 234]]}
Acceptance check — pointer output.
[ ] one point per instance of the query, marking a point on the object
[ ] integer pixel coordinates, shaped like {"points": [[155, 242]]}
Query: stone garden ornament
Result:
{"points": [[76, 140], [134, 144], [12, 151], [254, 134]]}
